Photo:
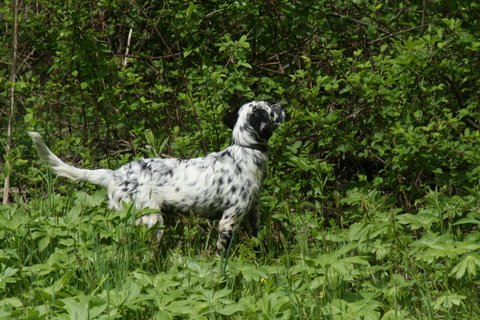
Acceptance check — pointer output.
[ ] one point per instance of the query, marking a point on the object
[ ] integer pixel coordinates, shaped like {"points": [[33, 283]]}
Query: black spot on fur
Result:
{"points": [[262, 124], [225, 239], [130, 185], [225, 154], [220, 181], [143, 165], [233, 189], [244, 196]]}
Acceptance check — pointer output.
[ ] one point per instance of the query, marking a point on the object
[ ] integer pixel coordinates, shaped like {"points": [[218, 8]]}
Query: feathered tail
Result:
{"points": [[102, 177]]}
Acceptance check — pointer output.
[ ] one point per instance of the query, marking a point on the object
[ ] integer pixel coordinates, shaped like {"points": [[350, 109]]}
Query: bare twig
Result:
{"points": [[13, 78], [136, 56], [129, 39], [424, 13], [387, 34], [361, 23], [396, 33]]}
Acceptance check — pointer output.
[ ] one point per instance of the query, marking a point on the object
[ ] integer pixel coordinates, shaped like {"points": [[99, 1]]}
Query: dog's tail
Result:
{"points": [[102, 177]]}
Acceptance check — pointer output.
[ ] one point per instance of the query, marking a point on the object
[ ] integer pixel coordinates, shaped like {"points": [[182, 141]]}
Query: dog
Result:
{"points": [[222, 185]]}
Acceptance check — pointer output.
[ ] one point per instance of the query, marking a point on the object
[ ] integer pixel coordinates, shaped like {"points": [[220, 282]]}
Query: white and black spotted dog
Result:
{"points": [[223, 184]]}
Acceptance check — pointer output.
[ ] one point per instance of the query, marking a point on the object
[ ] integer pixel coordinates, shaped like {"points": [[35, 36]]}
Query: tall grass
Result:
{"points": [[69, 256]]}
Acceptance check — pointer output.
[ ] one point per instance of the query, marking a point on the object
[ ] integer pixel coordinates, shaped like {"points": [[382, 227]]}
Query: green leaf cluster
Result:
{"points": [[370, 205]]}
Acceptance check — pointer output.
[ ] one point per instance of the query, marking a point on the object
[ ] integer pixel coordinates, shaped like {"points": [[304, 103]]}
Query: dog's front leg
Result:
{"points": [[226, 226], [251, 222]]}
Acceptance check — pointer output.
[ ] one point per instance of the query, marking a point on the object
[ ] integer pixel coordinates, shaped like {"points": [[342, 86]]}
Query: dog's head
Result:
{"points": [[254, 122]]}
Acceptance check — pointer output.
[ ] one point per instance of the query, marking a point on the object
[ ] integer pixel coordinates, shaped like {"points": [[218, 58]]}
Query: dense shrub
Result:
{"points": [[381, 95], [382, 134]]}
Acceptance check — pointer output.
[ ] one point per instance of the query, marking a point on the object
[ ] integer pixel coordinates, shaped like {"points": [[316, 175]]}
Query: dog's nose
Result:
{"points": [[279, 111], [277, 107]]}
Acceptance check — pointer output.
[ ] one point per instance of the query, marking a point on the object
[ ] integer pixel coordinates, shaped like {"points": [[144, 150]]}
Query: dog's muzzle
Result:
{"points": [[279, 113]]}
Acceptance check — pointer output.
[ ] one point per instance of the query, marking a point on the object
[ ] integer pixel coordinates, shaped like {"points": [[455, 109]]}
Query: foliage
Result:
{"points": [[371, 203], [86, 261]]}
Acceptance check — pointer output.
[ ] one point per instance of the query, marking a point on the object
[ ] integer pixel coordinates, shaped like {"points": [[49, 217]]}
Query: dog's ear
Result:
{"points": [[230, 118]]}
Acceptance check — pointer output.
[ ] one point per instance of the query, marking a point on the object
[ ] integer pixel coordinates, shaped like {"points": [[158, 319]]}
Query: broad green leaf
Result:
{"points": [[77, 307], [7, 276], [448, 300], [470, 264], [231, 309]]}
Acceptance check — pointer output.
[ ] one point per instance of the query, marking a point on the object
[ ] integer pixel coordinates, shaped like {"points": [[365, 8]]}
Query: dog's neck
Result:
{"points": [[257, 146], [251, 158], [244, 136]]}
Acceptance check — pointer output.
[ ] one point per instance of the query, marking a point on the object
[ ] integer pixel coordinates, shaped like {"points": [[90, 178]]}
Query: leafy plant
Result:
{"points": [[370, 207]]}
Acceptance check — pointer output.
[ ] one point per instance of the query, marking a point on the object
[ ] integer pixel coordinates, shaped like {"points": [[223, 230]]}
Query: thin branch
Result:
{"points": [[424, 13], [387, 33], [361, 23], [136, 56], [396, 34], [13, 78], [129, 39]]}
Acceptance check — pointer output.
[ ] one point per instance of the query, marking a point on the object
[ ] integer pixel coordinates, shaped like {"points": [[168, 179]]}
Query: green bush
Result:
{"points": [[370, 206]]}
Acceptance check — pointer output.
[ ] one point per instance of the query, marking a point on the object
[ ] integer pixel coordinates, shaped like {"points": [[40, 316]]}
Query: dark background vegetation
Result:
{"points": [[382, 100], [380, 94]]}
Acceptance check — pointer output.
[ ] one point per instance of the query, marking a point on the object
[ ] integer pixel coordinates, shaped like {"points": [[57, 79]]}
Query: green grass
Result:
{"points": [[70, 257]]}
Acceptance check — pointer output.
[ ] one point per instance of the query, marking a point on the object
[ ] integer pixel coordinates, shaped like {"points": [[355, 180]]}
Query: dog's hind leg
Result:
{"points": [[152, 220]]}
